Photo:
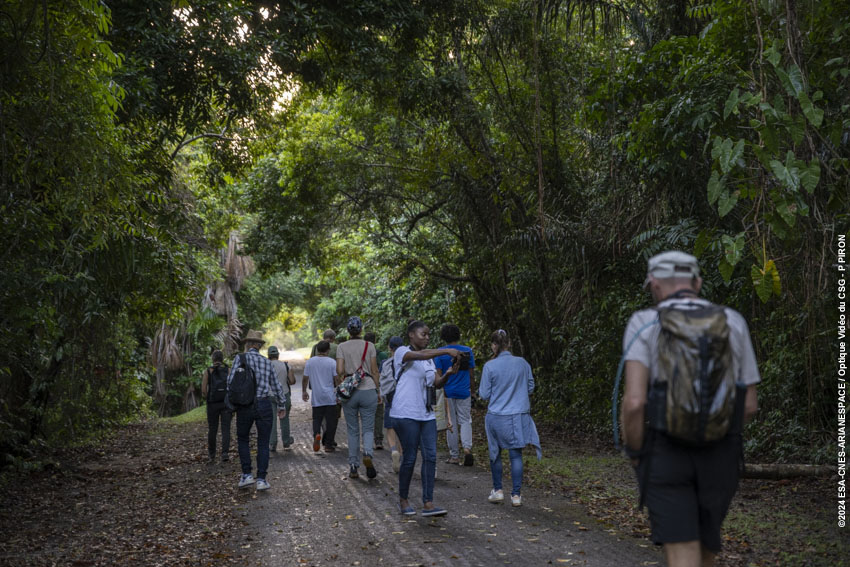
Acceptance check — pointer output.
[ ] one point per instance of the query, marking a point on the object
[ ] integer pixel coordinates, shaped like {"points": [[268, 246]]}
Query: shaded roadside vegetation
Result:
{"points": [[493, 164]]}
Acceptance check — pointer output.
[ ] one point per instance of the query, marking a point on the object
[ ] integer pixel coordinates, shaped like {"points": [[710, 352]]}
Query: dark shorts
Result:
{"points": [[688, 490]]}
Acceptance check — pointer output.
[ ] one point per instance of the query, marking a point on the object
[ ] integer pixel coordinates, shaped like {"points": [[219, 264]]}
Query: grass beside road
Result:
{"points": [[197, 414]]}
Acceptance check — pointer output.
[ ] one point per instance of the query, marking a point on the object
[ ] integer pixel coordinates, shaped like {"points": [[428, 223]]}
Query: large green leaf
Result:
{"points": [[810, 175], [731, 105], [813, 113], [716, 185], [726, 202], [766, 281]]}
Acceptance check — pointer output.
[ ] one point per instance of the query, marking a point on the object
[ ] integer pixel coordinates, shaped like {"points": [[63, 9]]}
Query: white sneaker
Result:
{"points": [[262, 484], [516, 500], [396, 461], [496, 496], [246, 480]]}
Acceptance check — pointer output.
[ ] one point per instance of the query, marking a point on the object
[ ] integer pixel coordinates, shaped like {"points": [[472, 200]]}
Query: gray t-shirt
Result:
{"points": [[644, 348]]}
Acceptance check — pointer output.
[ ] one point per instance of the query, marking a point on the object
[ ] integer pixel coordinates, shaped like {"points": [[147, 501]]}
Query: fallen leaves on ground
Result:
{"points": [[145, 497]]}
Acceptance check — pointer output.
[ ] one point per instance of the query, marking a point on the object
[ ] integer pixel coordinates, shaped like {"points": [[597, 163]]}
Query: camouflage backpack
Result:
{"points": [[694, 398]]}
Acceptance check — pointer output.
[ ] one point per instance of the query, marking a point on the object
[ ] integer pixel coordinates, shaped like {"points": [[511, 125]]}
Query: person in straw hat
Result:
{"points": [[260, 412]]}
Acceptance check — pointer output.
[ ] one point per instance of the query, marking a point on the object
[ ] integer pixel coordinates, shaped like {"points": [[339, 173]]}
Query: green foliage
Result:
{"points": [[477, 163]]}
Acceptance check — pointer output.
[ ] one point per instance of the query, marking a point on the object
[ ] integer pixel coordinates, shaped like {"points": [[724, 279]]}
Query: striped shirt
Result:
{"points": [[267, 383]]}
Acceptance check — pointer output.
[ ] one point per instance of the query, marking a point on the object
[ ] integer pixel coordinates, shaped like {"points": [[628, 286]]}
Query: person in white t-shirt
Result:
{"points": [[320, 374], [413, 415]]}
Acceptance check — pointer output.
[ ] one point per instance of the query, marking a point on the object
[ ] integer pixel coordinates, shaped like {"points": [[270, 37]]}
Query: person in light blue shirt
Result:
{"points": [[507, 382]]}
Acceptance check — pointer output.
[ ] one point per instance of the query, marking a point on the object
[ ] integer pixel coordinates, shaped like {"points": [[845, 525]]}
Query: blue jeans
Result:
{"points": [[417, 436], [261, 414], [362, 404], [516, 470]]}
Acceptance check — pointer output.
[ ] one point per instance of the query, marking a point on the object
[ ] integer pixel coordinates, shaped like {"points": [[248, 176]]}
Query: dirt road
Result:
{"points": [[315, 515]]}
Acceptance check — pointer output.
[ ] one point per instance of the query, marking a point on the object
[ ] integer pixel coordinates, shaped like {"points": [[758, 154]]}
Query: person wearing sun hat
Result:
{"points": [[687, 489], [259, 413]]}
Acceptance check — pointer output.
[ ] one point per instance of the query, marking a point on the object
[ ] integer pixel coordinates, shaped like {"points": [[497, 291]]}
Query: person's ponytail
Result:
{"points": [[501, 340]]}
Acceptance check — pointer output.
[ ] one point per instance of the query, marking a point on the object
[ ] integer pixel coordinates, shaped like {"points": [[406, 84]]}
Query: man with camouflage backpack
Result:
{"points": [[691, 380]]}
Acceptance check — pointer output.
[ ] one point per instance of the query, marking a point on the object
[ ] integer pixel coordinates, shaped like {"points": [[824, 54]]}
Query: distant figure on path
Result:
{"points": [[330, 336], [351, 355], [687, 488], [214, 390], [458, 391], [259, 412], [286, 376], [413, 414], [320, 374], [507, 382]]}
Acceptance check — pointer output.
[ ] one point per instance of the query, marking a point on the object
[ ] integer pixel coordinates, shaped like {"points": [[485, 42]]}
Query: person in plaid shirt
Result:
{"points": [[261, 412]]}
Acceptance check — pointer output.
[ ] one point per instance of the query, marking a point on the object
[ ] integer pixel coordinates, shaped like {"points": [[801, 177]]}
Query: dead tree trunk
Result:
{"points": [[783, 471]]}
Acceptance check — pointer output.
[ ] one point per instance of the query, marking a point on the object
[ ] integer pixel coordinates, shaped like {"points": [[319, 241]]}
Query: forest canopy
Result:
{"points": [[177, 172]]}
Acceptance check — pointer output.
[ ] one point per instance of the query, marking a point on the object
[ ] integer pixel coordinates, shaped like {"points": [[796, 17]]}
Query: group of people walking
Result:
{"points": [[402, 390], [690, 384]]}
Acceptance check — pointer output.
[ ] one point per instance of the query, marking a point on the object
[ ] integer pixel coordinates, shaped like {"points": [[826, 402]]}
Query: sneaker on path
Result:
{"points": [[352, 472], [396, 461], [246, 480], [516, 500], [262, 484], [496, 496], [435, 511], [408, 511], [317, 440], [468, 460]]}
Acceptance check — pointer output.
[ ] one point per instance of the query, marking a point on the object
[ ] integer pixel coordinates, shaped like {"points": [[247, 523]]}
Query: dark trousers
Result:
{"points": [[379, 423], [261, 414], [216, 411], [328, 414]]}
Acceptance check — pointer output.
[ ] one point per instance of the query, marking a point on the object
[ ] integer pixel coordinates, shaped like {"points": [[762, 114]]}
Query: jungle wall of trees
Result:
{"points": [[503, 164]]}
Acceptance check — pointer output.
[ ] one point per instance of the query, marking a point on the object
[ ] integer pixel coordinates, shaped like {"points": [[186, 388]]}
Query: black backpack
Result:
{"points": [[243, 386], [217, 383]]}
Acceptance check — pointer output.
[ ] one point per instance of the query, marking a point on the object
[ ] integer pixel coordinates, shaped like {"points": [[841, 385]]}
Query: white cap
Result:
{"points": [[672, 264]]}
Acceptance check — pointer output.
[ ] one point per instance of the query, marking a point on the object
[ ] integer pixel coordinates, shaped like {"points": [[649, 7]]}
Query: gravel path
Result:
{"points": [[315, 515]]}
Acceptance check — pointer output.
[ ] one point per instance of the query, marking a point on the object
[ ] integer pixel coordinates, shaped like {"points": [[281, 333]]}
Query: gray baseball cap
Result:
{"points": [[671, 264], [273, 351]]}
